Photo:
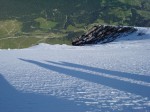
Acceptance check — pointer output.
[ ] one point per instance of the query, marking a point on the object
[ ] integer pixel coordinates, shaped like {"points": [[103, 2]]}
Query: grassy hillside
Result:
{"points": [[43, 20]]}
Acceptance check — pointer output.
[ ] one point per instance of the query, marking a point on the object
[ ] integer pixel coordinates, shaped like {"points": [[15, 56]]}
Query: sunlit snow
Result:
{"points": [[113, 77]]}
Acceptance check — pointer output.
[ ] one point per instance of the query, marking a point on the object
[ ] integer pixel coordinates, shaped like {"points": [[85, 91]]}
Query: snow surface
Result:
{"points": [[112, 77]]}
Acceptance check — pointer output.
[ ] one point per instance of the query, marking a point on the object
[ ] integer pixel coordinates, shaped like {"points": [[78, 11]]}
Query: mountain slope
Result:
{"points": [[114, 77], [64, 18]]}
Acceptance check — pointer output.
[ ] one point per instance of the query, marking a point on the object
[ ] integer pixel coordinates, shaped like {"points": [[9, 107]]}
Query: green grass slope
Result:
{"points": [[49, 20]]}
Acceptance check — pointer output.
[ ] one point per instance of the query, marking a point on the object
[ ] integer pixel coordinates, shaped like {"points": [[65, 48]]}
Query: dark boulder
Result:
{"points": [[102, 34]]}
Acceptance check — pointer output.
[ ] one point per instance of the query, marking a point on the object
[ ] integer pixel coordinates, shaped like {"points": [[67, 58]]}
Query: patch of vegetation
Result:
{"points": [[45, 24], [22, 42], [66, 18], [9, 28], [58, 41]]}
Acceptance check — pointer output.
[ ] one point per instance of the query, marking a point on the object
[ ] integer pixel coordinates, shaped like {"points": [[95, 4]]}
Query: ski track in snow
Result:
{"points": [[113, 77]]}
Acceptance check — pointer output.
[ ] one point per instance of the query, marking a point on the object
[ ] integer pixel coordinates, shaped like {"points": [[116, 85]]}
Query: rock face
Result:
{"points": [[102, 34]]}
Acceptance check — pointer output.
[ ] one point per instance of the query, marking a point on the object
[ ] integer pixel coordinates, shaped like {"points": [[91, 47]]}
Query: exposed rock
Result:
{"points": [[102, 34]]}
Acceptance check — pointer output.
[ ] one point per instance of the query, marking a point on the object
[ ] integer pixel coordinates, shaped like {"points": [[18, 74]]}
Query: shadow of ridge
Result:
{"points": [[12, 100], [109, 72], [117, 84]]}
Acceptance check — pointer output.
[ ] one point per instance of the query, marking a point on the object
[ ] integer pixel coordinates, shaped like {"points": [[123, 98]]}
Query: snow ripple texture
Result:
{"points": [[102, 78]]}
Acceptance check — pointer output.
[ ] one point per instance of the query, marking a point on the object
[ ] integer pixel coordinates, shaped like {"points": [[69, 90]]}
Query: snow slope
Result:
{"points": [[113, 77]]}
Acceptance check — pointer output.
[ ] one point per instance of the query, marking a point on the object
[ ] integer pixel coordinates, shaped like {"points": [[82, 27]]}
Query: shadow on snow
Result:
{"points": [[12, 100], [111, 72], [114, 83]]}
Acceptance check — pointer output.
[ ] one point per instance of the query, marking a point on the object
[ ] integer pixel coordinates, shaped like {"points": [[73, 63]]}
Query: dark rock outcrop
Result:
{"points": [[102, 34]]}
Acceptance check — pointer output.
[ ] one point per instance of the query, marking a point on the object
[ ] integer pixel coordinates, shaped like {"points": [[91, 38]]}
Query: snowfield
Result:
{"points": [[112, 77]]}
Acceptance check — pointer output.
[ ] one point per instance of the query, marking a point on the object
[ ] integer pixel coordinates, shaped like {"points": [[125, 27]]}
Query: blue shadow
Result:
{"points": [[109, 72], [114, 83], [12, 100]]}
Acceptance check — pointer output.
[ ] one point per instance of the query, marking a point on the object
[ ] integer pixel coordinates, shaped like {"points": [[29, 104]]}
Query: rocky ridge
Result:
{"points": [[103, 34]]}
